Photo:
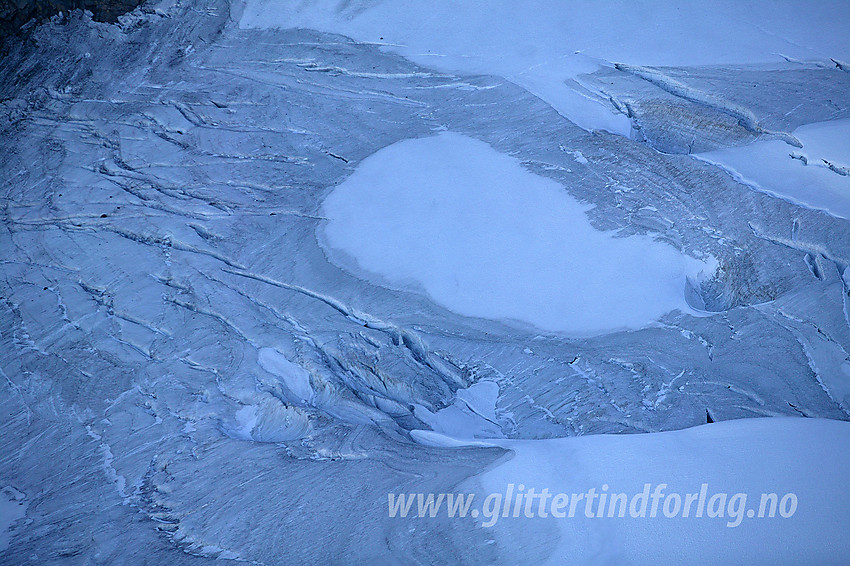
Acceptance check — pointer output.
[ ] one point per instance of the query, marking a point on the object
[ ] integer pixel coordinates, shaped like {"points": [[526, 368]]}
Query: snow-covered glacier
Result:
{"points": [[268, 267]]}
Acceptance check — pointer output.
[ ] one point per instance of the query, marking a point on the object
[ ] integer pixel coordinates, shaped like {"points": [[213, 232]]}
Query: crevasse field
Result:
{"points": [[270, 269]]}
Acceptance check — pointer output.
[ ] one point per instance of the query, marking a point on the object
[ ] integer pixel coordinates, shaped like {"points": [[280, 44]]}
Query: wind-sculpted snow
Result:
{"points": [[187, 375]]}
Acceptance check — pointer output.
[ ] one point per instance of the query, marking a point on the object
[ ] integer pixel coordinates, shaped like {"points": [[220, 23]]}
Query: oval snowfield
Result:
{"points": [[484, 237]]}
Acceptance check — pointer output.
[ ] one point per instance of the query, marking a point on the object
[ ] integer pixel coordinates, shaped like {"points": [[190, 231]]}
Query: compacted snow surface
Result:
{"points": [[485, 237], [264, 264]]}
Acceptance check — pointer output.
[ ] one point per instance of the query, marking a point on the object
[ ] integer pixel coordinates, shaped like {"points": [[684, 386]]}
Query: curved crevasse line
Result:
{"points": [[745, 116], [410, 340]]}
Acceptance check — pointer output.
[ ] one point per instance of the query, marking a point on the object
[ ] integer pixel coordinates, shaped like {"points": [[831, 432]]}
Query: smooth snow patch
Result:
{"points": [[801, 175], [296, 378], [485, 237], [246, 419], [752, 456], [13, 507], [472, 415], [543, 45]]}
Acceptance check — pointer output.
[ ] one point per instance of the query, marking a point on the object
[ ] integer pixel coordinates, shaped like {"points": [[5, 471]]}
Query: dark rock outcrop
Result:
{"points": [[16, 13]]}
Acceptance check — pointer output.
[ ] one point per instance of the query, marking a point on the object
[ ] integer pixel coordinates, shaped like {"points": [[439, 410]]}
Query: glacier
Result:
{"points": [[265, 263]]}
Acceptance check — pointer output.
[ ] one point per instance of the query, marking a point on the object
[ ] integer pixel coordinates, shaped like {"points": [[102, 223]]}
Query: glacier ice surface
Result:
{"points": [[189, 371]]}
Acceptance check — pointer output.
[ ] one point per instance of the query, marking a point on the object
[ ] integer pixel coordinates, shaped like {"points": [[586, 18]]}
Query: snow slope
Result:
{"points": [[816, 175], [752, 456], [544, 45]]}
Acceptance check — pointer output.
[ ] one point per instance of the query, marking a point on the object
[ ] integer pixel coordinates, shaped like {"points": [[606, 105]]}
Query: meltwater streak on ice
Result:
{"points": [[546, 44], [484, 237]]}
